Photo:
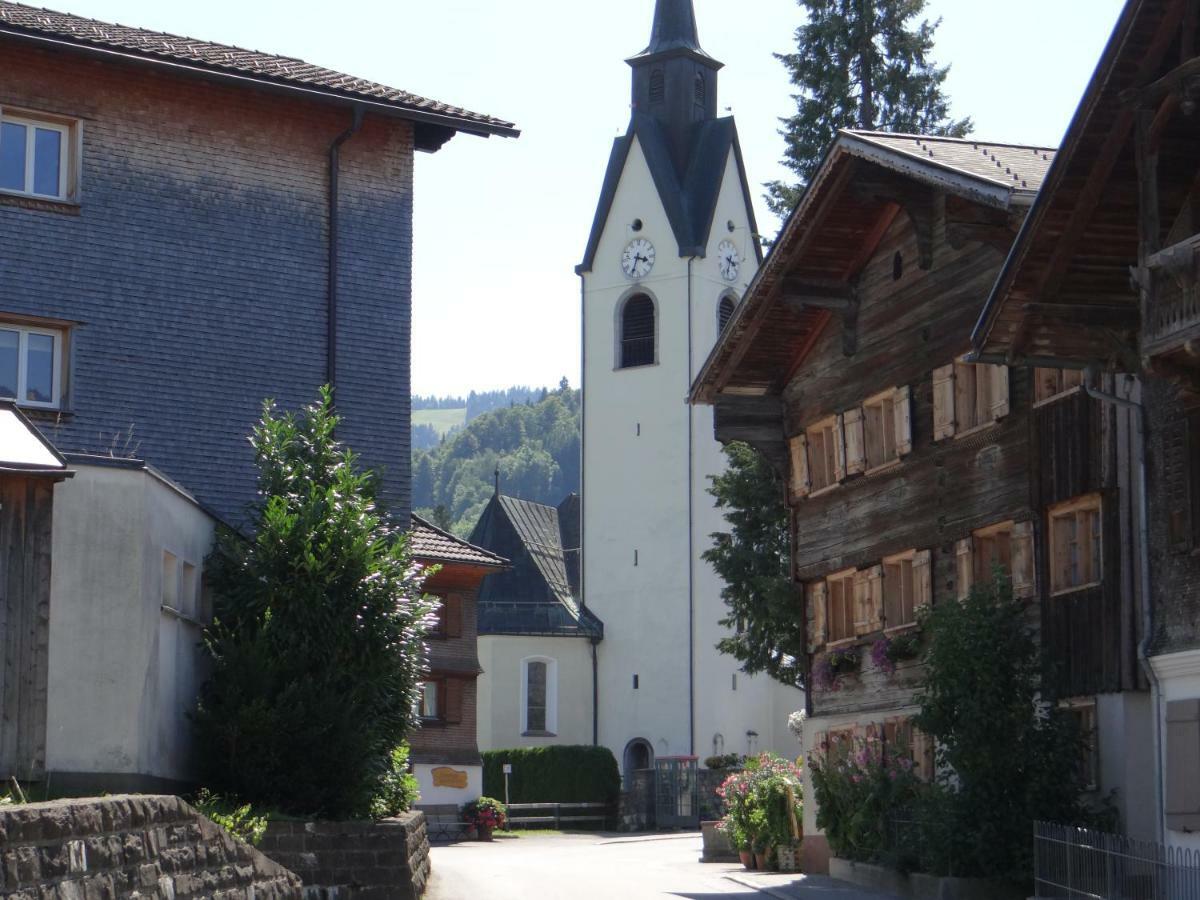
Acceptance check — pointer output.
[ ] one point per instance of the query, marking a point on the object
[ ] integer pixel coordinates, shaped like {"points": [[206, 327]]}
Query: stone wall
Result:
{"points": [[711, 806], [385, 859], [635, 808], [126, 846]]}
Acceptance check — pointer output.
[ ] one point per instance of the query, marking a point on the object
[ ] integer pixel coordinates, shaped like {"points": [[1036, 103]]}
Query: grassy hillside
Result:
{"points": [[442, 420]]}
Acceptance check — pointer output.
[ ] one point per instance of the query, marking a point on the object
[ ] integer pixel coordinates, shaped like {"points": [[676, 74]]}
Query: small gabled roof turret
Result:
{"points": [[674, 31]]}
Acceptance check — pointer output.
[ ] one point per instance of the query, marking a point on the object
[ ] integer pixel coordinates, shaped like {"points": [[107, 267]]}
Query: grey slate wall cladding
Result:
{"points": [[196, 269]]}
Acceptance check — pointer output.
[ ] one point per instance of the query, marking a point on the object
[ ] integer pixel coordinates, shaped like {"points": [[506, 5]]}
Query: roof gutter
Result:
{"points": [[454, 123]]}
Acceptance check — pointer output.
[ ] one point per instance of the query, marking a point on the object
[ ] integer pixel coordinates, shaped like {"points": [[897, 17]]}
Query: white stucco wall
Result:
{"points": [[1179, 679], [1125, 746], [500, 690], [122, 671], [433, 795], [647, 461]]}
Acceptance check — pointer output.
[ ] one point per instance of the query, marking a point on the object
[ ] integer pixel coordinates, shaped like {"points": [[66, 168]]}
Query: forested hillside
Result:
{"points": [[433, 418], [534, 443]]}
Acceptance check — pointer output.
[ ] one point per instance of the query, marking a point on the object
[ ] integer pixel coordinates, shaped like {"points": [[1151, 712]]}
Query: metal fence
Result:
{"points": [[1077, 863]]}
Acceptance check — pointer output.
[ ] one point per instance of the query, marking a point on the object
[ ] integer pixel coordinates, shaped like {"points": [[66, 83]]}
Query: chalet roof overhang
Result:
{"points": [[433, 126], [24, 451], [865, 181], [1064, 295]]}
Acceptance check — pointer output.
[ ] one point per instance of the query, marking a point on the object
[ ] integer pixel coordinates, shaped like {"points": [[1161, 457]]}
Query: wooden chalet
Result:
{"points": [[445, 750], [912, 471], [1104, 281]]}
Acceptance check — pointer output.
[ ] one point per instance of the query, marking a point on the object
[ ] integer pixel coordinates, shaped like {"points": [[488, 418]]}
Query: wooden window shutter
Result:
{"points": [[964, 566], [818, 599], [856, 452], [862, 601], [1024, 583], [943, 402], [875, 582], [819, 742], [901, 409], [454, 700], [801, 484], [1183, 765], [890, 726], [999, 375], [839, 450], [922, 579]]}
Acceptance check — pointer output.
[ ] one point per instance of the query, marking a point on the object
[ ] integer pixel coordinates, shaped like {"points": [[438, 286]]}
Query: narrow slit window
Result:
{"points": [[637, 332]]}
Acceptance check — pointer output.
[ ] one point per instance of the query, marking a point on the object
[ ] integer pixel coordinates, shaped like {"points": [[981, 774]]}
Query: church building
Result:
{"points": [[672, 248]]}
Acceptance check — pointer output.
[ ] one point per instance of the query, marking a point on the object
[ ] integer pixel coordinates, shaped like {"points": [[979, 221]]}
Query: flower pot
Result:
{"points": [[485, 834], [760, 861], [788, 859], [747, 858]]}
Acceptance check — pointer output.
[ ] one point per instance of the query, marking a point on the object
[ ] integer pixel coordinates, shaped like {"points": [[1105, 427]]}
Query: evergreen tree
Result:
{"points": [[317, 634], [752, 559], [859, 64]]}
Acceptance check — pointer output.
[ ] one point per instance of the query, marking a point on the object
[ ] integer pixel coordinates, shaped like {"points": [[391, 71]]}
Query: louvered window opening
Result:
{"points": [[724, 313], [637, 332], [657, 86]]}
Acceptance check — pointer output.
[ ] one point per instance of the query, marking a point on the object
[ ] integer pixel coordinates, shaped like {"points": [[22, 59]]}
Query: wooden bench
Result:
{"points": [[443, 822]]}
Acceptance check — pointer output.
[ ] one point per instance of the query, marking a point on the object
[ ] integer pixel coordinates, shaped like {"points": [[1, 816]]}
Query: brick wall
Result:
{"points": [[195, 267], [389, 858], [1174, 563], [122, 846]]}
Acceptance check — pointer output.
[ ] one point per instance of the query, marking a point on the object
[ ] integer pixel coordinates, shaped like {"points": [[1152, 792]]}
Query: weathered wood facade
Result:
{"points": [[862, 315], [1111, 246], [29, 468]]}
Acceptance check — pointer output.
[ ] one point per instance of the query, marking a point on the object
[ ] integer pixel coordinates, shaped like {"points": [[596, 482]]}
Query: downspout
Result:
{"points": [[331, 304], [583, 506], [595, 695], [1138, 411], [691, 532]]}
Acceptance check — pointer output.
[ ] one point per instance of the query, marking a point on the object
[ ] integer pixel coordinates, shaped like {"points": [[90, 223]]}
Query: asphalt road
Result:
{"points": [[580, 867]]}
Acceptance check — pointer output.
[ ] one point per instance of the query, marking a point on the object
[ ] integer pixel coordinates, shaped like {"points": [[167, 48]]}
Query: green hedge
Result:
{"points": [[571, 774]]}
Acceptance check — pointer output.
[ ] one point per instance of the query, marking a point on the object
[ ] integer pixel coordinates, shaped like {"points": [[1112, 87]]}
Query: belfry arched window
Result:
{"points": [[637, 332], [724, 312], [699, 88], [658, 86]]}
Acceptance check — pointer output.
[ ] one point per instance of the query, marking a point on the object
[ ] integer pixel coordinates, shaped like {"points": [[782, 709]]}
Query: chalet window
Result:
{"points": [[37, 155], [31, 365], [903, 739], [1008, 545], [450, 617], [887, 427], [637, 332], [538, 696], [428, 705], [1050, 383], [1076, 540], [180, 586], [840, 612], [967, 396], [1084, 714], [868, 600], [907, 587], [724, 312], [824, 455]]}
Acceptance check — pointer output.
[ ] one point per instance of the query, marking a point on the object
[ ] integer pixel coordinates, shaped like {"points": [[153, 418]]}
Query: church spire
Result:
{"points": [[674, 29]]}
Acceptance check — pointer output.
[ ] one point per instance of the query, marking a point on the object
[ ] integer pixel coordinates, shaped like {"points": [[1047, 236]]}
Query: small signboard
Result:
{"points": [[508, 768]]}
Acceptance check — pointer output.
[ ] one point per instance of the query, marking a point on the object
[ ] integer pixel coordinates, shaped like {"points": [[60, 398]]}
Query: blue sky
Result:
{"points": [[500, 224]]}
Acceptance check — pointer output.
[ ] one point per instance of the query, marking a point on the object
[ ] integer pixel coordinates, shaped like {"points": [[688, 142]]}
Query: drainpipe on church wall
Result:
{"points": [[331, 304]]}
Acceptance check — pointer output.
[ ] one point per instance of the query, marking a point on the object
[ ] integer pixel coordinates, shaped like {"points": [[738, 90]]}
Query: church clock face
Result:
{"points": [[728, 260], [637, 259]]}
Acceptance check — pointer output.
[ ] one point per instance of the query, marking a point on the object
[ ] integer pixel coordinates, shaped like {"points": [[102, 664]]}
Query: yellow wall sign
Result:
{"points": [[444, 776]]}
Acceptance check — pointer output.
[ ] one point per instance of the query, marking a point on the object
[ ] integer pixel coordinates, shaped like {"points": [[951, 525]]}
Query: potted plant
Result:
{"points": [[484, 815], [829, 669], [887, 651]]}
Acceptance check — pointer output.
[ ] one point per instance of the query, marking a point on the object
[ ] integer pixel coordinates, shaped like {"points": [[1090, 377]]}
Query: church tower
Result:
{"points": [[672, 249]]}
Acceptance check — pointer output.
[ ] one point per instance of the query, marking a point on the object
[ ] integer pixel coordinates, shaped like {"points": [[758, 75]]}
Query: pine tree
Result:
{"points": [[859, 64]]}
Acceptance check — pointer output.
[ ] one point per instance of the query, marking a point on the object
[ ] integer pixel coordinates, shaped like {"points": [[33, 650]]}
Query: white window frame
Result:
{"points": [[435, 685], [23, 333], [551, 696], [1086, 705], [1071, 509], [69, 153]]}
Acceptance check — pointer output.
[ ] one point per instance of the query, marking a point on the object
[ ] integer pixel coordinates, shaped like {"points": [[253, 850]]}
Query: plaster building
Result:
{"points": [[913, 470], [189, 229], [537, 644], [1103, 281], [672, 249]]}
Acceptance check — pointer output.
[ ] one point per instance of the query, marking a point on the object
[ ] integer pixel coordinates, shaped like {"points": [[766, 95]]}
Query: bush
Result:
{"points": [[1006, 753], [317, 635], [567, 774], [725, 761], [239, 820], [398, 788], [857, 786], [764, 803], [485, 813]]}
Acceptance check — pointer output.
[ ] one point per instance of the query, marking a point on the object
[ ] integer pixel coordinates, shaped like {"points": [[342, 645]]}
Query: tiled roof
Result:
{"points": [[1018, 167], [157, 45], [428, 542]]}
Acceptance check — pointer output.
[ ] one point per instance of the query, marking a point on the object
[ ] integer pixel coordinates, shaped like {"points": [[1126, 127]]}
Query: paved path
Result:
{"points": [[613, 867]]}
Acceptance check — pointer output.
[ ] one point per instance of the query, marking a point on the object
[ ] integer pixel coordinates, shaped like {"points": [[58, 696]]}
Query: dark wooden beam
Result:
{"points": [[1100, 315], [919, 204], [1152, 94]]}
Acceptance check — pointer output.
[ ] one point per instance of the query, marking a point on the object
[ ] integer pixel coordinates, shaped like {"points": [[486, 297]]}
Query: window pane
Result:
{"points": [[429, 700], [9, 344], [39, 376], [12, 156], [535, 708], [47, 157]]}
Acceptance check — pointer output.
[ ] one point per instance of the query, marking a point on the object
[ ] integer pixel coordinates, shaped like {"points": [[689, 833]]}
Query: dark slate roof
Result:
{"points": [[674, 31], [156, 46], [690, 200], [537, 526], [428, 542]]}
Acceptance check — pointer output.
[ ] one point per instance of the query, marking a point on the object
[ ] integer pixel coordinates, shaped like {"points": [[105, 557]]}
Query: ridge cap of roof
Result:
{"points": [[425, 523], [945, 138]]}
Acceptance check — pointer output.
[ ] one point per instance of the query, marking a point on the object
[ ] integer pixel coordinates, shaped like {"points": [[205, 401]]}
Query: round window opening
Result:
{"points": [[636, 225], [897, 266]]}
